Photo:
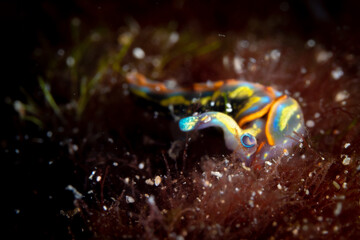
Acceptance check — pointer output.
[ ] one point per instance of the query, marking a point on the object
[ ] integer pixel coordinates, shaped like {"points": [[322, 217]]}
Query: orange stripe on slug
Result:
{"points": [[200, 87], [260, 147], [271, 92], [255, 115], [232, 82], [156, 86], [141, 79]]}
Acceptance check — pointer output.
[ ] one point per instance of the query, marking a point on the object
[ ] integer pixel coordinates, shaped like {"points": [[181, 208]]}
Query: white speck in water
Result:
{"points": [[346, 145], [179, 237], [98, 178], [216, 174], [323, 56], [19, 107], [157, 180], [344, 185], [49, 134], [212, 103], [17, 211], [115, 164], [174, 37], [138, 53], [296, 94], [61, 52], [244, 44], [341, 96], [228, 107], [127, 180], [149, 181], [268, 163], [310, 123], [129, 199], [70, 61], [74, 147], [286, 152], [311, 43], [337, 73], [346, 160], [307, 192], [338, 209], [275, 54], [141, 165], [279, 186], [226, 61], [76, 193], [316, 115], [303, 70], [110, 140], [92, 175], [151, 200], [221, 35], [105, 208], [170, 83], [17, 151], [336, 185], [238, 64], [156, 61]]}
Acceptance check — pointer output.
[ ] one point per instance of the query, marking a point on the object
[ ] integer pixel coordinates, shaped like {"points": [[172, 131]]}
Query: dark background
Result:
{"points": [[24, 22]]}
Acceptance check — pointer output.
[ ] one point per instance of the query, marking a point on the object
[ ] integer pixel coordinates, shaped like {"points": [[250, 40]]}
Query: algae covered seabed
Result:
{"points": [[85, 159]]}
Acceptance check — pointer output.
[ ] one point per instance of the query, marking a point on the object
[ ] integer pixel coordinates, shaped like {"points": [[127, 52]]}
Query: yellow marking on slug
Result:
{"points": [[205, 100], [229, 123], [174, 100], [286, 114], [251, 102], [141, 94], [241, 92]]}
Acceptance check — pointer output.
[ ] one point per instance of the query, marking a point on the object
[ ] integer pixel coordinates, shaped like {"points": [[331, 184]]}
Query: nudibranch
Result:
{"points": [[259, 123]]}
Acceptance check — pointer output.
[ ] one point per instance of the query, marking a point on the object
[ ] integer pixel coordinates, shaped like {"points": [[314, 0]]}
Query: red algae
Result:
{"points": [[109, 165]]}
